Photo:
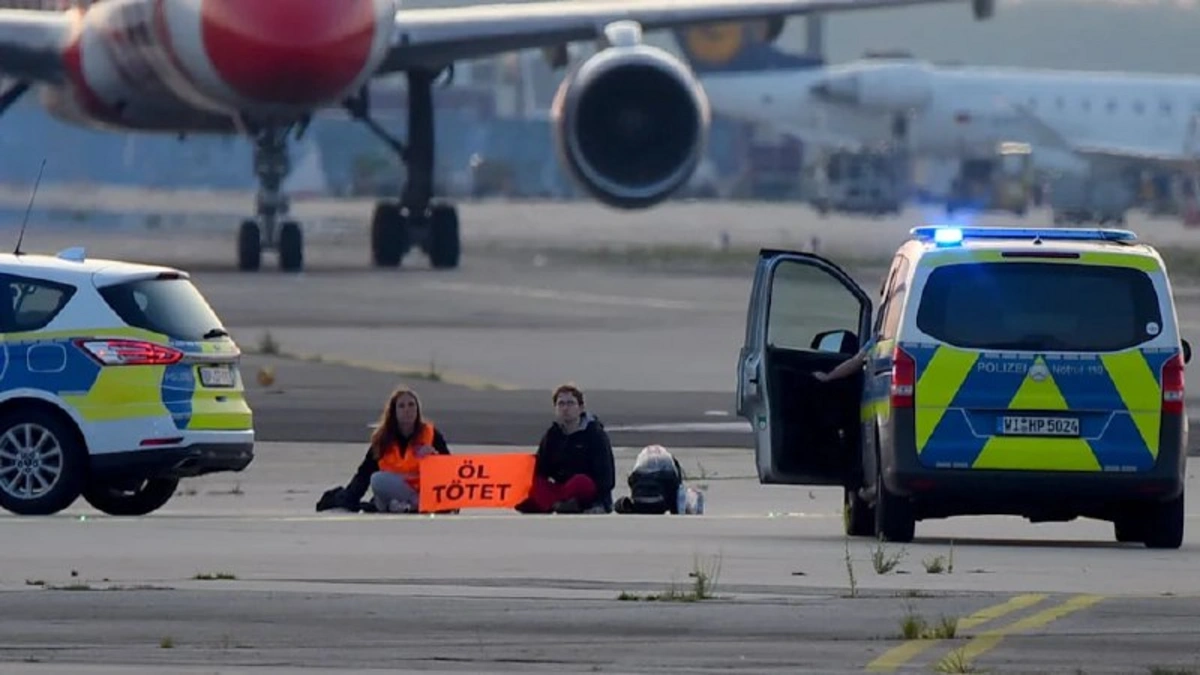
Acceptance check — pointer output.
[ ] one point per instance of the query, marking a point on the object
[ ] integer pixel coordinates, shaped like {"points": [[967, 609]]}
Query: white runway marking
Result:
{"points": [[689, 427], [573, 296]]}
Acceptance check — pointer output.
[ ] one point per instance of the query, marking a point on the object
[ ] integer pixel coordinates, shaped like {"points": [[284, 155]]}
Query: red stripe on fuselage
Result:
{"points": [[301, 52], [73, 65]]}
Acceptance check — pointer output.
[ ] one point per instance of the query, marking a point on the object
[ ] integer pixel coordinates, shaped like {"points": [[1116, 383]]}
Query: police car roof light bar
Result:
{"points": [[930, 233]]}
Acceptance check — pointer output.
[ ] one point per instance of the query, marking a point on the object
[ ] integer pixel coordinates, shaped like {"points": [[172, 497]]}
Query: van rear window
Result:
{"points": [[1039, 306], [171, 306]]}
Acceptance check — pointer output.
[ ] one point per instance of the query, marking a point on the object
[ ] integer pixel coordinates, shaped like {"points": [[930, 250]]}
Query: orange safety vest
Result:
{"points": [[408, 465]]}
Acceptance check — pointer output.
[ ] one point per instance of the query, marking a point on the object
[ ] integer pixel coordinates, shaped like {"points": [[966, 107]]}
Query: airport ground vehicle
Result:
{"points": [[1077, 199], [1003, 182], [858, 182], [116, 380], [1020, 371]]}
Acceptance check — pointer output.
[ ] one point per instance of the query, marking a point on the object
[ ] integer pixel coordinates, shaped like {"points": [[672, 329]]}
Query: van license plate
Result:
{"points": [[1039, 426], [216, 376]]}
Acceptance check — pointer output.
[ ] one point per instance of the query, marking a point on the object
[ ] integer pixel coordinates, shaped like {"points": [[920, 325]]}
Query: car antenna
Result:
{"points": [[29, 207]]}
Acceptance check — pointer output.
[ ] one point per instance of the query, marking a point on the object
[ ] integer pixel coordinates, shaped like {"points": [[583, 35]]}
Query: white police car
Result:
{"points": [[116, 380]]}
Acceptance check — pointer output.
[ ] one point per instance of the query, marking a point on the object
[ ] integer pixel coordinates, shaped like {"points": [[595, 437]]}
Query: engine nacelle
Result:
{"points": [[631, 125]]}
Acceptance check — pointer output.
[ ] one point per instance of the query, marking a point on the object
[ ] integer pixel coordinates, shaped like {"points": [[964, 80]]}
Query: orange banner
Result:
{"points": [[475, 481]]}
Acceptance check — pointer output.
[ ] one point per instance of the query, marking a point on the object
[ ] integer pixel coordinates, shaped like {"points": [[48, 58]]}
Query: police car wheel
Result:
{"points": [[893, 515], [1164, 524], [858, 517], [136, 499], [42, 463]]}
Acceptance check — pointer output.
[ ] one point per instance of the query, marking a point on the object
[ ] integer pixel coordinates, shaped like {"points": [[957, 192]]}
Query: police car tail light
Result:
{"points": [[129, 352], [904, 379], [1172, 386]]}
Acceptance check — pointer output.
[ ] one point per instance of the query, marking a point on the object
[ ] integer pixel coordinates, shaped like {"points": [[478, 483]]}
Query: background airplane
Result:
{"points": [[747, 77], [631, 123], [1081, 124], [1077, 120]]}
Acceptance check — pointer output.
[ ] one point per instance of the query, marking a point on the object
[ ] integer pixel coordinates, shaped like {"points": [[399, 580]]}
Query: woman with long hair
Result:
{"points": [[391, 467]]}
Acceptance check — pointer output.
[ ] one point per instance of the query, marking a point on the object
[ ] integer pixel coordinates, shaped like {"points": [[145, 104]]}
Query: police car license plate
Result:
{"points": [[1039, 426], [216, 376]]}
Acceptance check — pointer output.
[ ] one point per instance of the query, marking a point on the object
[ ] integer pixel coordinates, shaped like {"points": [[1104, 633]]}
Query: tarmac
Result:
{"points": [[239, 574]]}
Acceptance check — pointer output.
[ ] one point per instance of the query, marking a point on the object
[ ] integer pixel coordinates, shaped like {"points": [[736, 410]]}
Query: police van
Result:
{"points": [[116, 381], [1019, 371]]}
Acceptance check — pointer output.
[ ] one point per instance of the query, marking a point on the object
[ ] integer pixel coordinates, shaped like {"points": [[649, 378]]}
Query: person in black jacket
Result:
{"points": [[575, 471], [401, 438]]}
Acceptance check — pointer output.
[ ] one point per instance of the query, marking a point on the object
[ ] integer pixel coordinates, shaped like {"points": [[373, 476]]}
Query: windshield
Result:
{"points": [[170, 306], [1039, 307]]}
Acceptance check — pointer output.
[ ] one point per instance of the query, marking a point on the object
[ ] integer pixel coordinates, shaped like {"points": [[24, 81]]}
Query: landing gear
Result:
{"points": [[271, 229], [414, 219]]}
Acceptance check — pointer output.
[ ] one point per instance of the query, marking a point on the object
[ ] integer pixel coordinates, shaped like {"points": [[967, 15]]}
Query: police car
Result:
{"points": [[116, 380], [1021, 371]]}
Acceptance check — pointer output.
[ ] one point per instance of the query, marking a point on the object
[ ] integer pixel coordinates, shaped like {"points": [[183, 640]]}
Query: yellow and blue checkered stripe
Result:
{"points": [[961, 395], [48, 361]]}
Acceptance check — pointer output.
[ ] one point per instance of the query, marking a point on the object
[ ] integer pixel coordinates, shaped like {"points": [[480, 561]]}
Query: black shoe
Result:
{"points": [[567, 506], [526, 506]]}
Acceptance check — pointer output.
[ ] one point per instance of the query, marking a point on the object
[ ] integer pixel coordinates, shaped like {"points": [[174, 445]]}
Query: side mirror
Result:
{"points": [[836, 341], [1187, 350]]}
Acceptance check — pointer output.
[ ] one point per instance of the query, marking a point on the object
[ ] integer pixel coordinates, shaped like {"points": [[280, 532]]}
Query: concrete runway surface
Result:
{"points": [[239, 574], [655, 348]]}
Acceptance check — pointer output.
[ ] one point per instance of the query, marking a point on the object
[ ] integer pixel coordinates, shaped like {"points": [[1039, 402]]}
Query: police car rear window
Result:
{"points": [[170, 306], [1039, 306]]}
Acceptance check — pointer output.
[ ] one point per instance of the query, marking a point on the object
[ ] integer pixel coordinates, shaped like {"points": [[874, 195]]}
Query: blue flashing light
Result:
{"points": [[948, 236], [945, 236]]}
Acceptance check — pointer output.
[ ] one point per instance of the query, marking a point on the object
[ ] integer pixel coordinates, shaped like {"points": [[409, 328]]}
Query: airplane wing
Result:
{"points": [[437, 37], [1112, 153], [32, 44]]}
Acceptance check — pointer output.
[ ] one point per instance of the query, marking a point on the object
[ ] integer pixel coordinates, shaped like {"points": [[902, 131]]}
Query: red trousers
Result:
{"points": [[544, 494]]}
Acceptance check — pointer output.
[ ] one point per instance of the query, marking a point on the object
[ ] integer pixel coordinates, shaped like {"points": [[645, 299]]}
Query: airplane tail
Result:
{"points": [[737, 48]]}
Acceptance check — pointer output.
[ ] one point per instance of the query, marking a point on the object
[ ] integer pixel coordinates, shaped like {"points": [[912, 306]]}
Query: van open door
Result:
{"points": [[806, 315]]}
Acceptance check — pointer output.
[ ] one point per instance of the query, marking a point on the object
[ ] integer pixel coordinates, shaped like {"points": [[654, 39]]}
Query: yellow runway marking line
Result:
{"points": [[401, 370], [989, 639], [898, 656]]}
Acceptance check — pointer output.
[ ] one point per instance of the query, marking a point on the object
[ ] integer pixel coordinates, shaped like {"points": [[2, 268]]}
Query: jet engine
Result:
{"points": [[631, 124]]}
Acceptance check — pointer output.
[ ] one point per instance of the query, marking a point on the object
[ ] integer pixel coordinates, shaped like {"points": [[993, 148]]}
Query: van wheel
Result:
{"points": [[1164, 524], [134, 499], [857, 516], [42, 463], [893, 515], [1127, 530]]}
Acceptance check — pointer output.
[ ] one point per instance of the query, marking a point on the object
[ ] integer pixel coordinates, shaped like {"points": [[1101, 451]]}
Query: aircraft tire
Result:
{"points": [[249, 246], [445, 247], [389, 235], [291, 247]]}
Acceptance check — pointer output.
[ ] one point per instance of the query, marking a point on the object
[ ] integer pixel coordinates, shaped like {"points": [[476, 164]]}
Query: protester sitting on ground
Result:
{"points": [[575, 471], [391, 466]]}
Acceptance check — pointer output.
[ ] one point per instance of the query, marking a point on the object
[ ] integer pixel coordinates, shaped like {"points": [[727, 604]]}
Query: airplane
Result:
{"points": [[1078, 122], [262, 68], [745, 76]]}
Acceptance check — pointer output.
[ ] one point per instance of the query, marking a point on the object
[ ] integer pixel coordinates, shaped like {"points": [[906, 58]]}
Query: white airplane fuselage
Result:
{"points": [[963, 112]]}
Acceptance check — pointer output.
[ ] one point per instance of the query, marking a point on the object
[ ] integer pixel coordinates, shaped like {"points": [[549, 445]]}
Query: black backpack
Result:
{"points": [[653, 490]]}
